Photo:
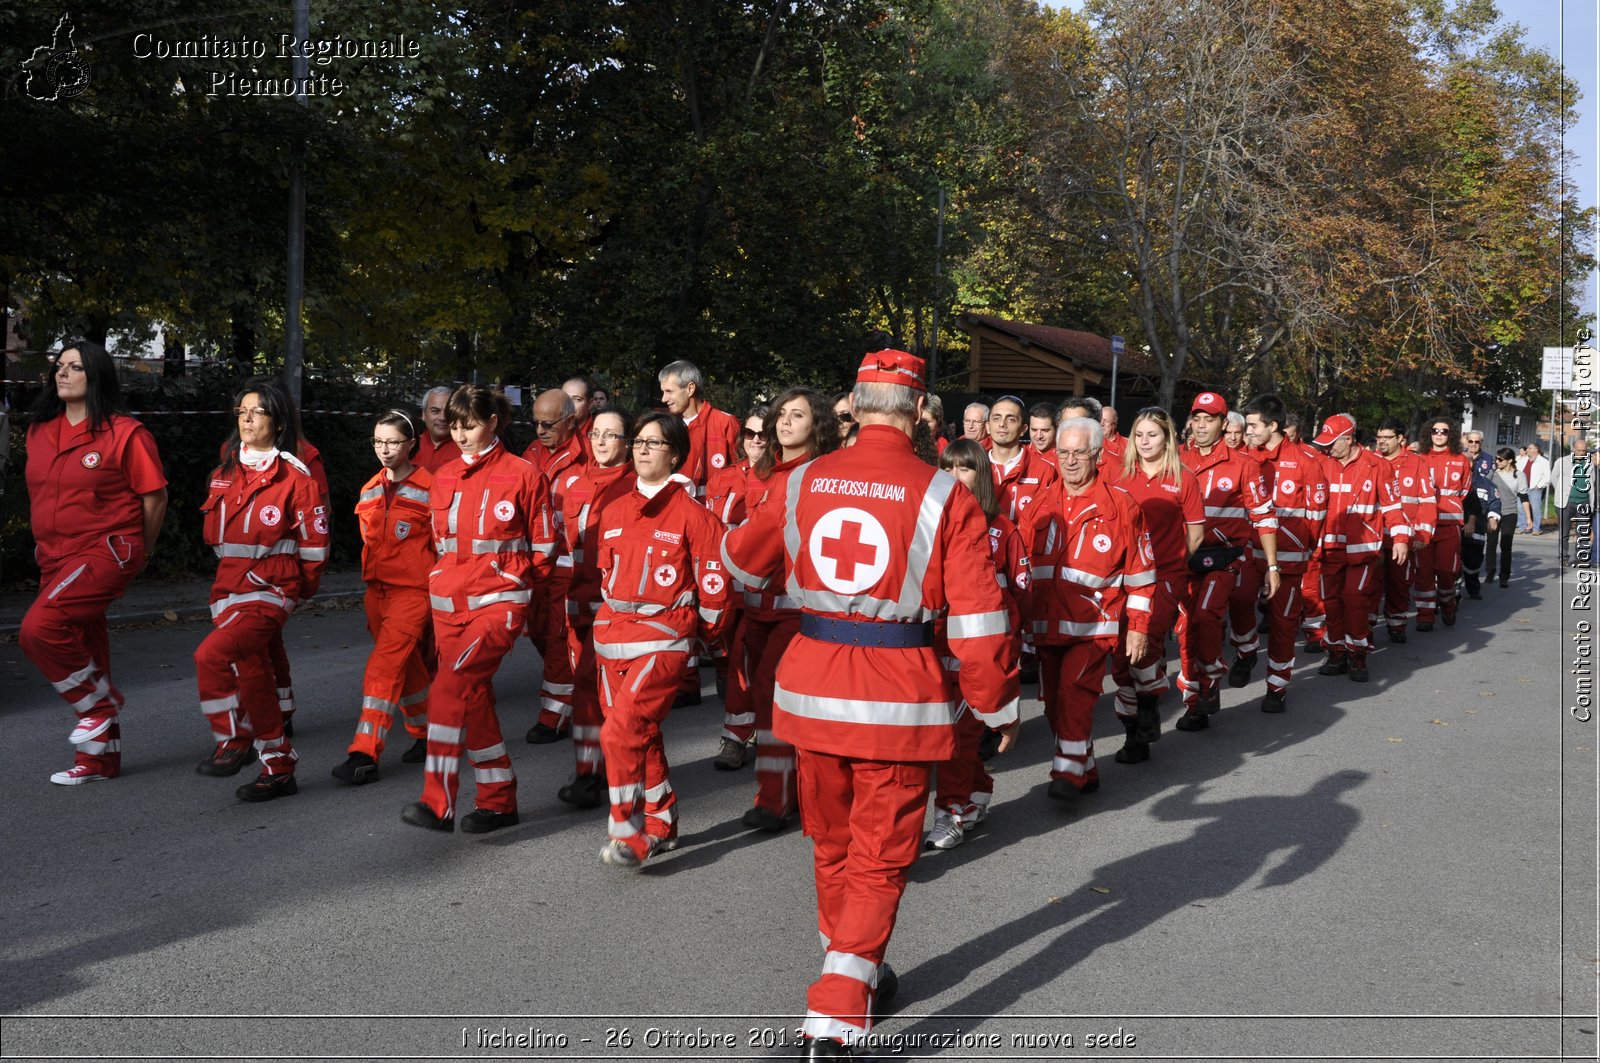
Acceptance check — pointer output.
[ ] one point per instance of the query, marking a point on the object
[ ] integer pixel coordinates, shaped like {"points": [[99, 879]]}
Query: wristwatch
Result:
{"points": [[1274, 568]]}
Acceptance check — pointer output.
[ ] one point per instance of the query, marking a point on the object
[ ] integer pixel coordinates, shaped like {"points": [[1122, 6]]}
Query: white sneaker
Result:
{"points": [[77, 775], [91, 727], [946, 832], [619, 853]]}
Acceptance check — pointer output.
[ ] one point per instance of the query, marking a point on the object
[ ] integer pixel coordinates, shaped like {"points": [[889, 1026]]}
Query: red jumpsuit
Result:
{"points": [[547, 615], [85, 486], [1363, 508], [1414, 481], [713, 446], [396, 556], [582, 507], [269, 529], [282, 678], [1094, 576], [1235, 501], [1439, 563], [1298, 486], [878, 546], [663, 587], [435, 456], [1315, 610], [1020, 481], [495, 538]]}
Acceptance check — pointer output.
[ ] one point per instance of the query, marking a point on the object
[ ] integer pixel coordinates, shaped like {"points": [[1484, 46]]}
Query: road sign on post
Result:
{"points": [[1117, 347], [1556, 374]]}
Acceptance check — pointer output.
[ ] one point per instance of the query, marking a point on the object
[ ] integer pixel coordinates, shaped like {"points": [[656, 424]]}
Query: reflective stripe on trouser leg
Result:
{"points": [[1397, 581], [233, 669], [547, 630], [1070, 677], [964, 774], [1447, 561], [282, 679], [1151, 679], [462, 709], [1338, 607], [1316, 615], [637, 694], [775, 763], [865, 822], [1361, 589], [1242, 616], [1200, 641], [396, 675], [64, 631], [738, 715], [586, 711], [1284, 619]]}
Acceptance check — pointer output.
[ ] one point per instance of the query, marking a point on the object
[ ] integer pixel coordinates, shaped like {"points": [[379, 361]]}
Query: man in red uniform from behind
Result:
{"points": [[879, 546]]}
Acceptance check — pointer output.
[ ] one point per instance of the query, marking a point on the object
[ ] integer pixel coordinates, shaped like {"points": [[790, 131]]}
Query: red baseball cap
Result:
{"points": [[1210, 402], [890, 366], [1333, 428]]}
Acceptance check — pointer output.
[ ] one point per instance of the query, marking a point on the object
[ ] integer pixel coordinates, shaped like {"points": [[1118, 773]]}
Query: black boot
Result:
{"points": [[1133, 751], [1149, 717]]}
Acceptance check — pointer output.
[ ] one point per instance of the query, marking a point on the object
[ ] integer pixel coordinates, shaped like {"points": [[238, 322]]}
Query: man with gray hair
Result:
{"points": [[558, 452], [975, 422], [713, 434], [435, 448]]}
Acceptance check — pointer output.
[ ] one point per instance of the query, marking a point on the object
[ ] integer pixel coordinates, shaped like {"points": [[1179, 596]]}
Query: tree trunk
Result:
{"points": [[242, 349], [172, 356]]}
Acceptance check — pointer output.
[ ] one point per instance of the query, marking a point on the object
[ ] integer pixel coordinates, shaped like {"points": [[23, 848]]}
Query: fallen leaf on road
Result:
{"points": [[1053, 900], [1487, 694], [1472, 712], [1397, 741], [1523, 679], [1100, 889], [169, 615], [1441, 723]]}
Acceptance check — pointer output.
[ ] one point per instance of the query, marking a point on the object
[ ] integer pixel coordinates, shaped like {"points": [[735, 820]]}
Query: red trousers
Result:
{"points": [[547, 630], [765, 642], [233, 668], [1151, 678], [1314, 608], [965, 786], [1070, 681], [1243, 620], [397, 675], [864, 818], [282, 679], [1350, 589], [738, 715], [636, 695], [461, 716], [64, 635], [587, 715], [1438, 568], [1283, 614], [1397, 581], [1200, 633]]}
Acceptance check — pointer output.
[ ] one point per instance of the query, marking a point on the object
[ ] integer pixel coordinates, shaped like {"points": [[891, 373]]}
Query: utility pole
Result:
{"points": [[294, 337]]}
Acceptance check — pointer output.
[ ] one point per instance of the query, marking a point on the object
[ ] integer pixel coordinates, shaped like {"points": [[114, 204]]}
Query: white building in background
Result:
{"points": [[1505, 422]]}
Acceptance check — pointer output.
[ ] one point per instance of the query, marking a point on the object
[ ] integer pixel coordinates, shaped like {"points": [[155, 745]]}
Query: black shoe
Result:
{"points": [[1314, 645], [482, 821], [226, 761], [1334, 666], [1064, 790], [1358, 671], [288, 726], [1210, 702], [1397, 634], [1474, 594], [888, 986], [1148, 714], [989, 744], [1424, 625], [266, 787], [1275, 701], [420, 815], [1448, 615], [826, 1048], [1133, 751], [1028, 677], [417, 753], [358, 769], [585, 791], [764, 819], [686, 699], [542, 734], [1243, 665], [1505, 583], [1193, 720]]}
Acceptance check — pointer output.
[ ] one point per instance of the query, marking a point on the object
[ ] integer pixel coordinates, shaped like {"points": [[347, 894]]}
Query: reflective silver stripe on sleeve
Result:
{"points": [[282, 546], [753, 582], [978, 625], [415, 494], [791, 532], [1225, 511], [371, 494], [1089, 629], [446, 546], [444, 605], [864, 711], [519, 545], [1139, 579], [314, 553]]}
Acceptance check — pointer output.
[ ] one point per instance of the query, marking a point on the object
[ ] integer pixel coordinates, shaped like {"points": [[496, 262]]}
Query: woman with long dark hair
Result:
{"points": [[98, 498], [396, 556], [725, 496], [267, 521]]}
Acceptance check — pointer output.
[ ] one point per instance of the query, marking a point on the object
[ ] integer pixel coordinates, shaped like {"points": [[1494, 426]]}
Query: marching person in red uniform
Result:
{"points": [[282, 675], [607, 476], [1235, 501], [396, 556], [435, 448], [713, 434], [1295, 482], [1439, 564], [725, 497], [1113, 445], [1094, 576], [557, 452], [1174, 515], [1042, 431], [1020, 473], [98, 498], [964, 787], [1313, 608], [1414, 481], [267, 521], [1363, 509], [495, 539], [663, 586], [878, 546]]}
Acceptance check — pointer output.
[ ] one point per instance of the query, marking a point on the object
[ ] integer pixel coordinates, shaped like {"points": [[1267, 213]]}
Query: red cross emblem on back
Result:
{"points": [[849, 550]]}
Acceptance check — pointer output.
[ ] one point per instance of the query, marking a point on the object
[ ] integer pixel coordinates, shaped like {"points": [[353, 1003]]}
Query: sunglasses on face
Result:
{"points": [[750, 433], [845, 418]]}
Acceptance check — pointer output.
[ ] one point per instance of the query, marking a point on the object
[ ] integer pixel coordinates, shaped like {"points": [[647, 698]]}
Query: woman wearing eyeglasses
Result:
{"points": [[1509, 483], [98, 498], [396, 555], [802, 427], [1174, 514], [267, 521], [662, 588], [604, 480]]}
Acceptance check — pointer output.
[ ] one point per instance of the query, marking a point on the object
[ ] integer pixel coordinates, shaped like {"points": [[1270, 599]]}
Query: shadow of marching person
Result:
{"points": [[1235, 839]]}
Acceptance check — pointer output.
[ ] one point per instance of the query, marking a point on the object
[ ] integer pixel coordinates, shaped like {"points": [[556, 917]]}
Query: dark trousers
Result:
{"points": [[1500, 539]]}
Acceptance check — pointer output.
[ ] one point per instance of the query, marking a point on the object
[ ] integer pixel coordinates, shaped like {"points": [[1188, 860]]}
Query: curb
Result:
{"points": [[190, 612]]}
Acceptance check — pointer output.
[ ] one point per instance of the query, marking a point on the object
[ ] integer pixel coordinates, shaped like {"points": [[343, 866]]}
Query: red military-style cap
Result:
{"points": [[890, 366], [1333, 428], [1210, 402]]}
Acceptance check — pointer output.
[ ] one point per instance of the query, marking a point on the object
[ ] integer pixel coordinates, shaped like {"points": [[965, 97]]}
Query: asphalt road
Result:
{"points": [[1404, 869]]}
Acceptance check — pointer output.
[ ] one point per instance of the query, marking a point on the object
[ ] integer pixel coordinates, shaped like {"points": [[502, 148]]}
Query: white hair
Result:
{"points": [[685, 373], [1097, 436], [880, 397], [443, 389]]}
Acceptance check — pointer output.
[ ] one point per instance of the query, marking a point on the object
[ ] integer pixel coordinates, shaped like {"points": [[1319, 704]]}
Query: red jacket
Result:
{"points": [[661, 577], [1168, 509], [493, 531], [1297, 481], [1235, 497], [396, 540], [1092, 564], [713, 445], [1013, 570], [771, 601], [1413, 479], [85, 486], [1452, 479], [1024, 481], [269, 530], [435, 457], [725, 492], [582, 506], [1363, 506], [561, 468]]}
